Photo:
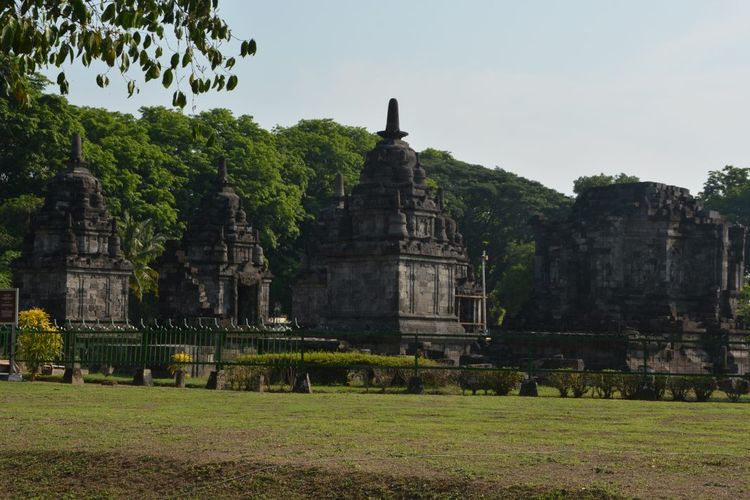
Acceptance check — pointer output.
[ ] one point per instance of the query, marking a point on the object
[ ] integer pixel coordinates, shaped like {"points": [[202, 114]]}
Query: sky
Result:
{"points": [[549, 90]]}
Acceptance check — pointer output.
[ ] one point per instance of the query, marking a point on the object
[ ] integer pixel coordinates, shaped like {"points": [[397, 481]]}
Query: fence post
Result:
{"points": [[217, 378], [143, 375], [72, 374], [415, 384]]}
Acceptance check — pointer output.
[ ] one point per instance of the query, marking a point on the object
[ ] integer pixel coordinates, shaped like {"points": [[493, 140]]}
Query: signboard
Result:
{"points": [[8, 306]]}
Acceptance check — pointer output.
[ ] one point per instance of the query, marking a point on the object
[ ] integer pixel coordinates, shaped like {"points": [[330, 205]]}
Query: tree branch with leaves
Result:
{"points": [[170, 40]]}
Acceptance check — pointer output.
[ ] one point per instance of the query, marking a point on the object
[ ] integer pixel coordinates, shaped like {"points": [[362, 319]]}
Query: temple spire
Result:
{"points": [[339, 185], [392, 130], [76, 155], [222, 177]]}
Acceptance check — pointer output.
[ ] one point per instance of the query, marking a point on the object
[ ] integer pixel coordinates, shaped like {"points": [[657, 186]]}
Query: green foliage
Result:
{"points": [[332, 359], [734, 387], [629, 385], [121, 35], [142, 244], [567, 381], [500, 381], [492, 208], [703, 387], [38, 340], [513, 288], [679, 387], [246, 378], [6, 258], [588, 181], [605, 383]]}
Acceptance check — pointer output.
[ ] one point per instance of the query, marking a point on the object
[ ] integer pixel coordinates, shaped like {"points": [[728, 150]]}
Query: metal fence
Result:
{"points": [[212, 347]]}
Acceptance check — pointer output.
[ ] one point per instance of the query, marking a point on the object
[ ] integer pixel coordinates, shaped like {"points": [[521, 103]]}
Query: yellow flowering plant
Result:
{"points": [[180, 361], [38, 341]]}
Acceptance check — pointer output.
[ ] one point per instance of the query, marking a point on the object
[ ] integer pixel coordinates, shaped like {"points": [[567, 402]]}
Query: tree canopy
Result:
{"points": [[588, 181], [166, 40], [155, 167]]}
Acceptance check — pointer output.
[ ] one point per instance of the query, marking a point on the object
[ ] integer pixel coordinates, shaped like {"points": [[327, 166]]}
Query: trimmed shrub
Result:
{"points": [[475, 380], [560, 381], [734, 387], [678, 387], [569, 382], [579, 384], [244, 377], [333, 367], [438, 377], [505, 380], [605, 383], [660, 386], [703, 387], [629, 385]]}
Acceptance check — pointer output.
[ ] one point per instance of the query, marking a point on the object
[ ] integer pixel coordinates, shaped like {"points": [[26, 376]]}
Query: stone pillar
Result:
{"points": [[143, 377], [216, 380], [73, 374]]}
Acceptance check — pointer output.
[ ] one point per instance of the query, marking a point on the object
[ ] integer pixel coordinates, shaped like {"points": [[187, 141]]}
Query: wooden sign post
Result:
{"points": [[9, 316]]}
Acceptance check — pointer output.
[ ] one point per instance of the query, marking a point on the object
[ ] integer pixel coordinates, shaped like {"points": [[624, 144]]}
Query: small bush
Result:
{"points": [[475, 380], [579, 384], [678, 387], [629, 385], [180, 360], [734, 387], [560, 381], [244, 377], [438, 377], [703, 387], [503, 381], [605, 383], [569, 382], [660, 386], [38, 341]]}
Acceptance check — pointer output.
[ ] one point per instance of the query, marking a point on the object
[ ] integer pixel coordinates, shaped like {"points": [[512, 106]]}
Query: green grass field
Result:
{"points": [[100, 441]]}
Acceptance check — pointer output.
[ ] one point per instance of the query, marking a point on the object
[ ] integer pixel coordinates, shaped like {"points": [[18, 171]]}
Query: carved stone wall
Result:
{"points": [[385, 257], [72, 264], [643, 255], [218, 269]]}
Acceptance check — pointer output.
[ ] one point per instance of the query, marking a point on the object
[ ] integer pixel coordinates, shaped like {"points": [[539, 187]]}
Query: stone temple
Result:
{"points": [[387, 257], [71, 264], [646, 256], [218, 269]]}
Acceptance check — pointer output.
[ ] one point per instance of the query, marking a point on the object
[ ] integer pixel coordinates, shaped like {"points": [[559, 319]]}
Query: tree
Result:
{"points": [[141, 244], [39, 341], [588, 181], [492, 208], [168, 39]]}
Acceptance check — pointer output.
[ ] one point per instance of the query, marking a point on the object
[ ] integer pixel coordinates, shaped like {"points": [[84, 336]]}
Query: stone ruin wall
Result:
{"points": [[645, 255]]}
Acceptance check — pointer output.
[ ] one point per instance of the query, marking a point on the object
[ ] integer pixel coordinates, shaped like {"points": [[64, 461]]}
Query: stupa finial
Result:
{"points": [[392, 130], [76, 154], [222, 170], [339, 185]]}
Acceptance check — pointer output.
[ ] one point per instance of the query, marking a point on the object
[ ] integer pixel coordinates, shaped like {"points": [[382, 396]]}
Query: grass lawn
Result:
{"points": [[121, 441]]}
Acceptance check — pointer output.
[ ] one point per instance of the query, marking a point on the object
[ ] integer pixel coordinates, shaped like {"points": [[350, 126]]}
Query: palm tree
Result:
{"points": [[141, 244]]}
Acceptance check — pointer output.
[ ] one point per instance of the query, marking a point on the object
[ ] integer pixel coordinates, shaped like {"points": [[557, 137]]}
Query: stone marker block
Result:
{"points": [[529, 388], [415, 385], [73, 375], [143, 377], [302, 384], [216, 380]]}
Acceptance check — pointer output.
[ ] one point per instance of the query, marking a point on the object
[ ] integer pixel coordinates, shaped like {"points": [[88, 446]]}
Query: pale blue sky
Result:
{"points": [[550, 90]]}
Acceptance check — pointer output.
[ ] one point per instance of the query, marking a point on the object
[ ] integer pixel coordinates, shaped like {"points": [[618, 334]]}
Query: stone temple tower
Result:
{"points": [[387, 257], [218, 269], [72, 264]]}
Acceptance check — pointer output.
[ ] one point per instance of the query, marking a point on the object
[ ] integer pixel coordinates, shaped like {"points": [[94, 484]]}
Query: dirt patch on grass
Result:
{"points": [[85, 475]]}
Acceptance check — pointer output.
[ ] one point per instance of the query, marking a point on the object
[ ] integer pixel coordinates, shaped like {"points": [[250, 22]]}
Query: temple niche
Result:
{"points": [[71, 263], [645, 255], [218, 269], [386, 257]]}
